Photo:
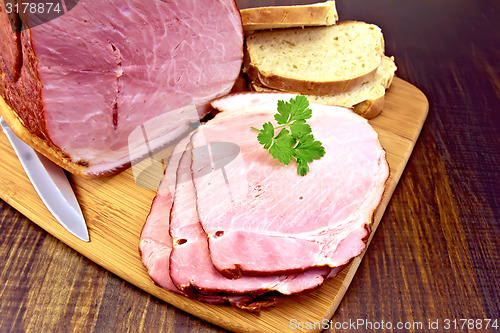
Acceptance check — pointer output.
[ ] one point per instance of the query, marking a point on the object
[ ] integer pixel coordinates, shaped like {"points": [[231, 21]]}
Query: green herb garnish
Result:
{"points": [[294, 141]]}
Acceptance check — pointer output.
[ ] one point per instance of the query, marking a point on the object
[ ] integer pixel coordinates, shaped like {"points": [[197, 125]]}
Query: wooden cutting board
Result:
{"points": [[115, 209]]}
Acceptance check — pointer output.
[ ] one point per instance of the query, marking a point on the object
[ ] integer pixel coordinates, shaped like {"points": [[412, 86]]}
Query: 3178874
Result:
{"points": [[33, 7]]}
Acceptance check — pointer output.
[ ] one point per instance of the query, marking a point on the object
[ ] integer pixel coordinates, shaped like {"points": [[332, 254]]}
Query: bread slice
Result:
{"points": [[366, 100], [315, 60], [278, 17]]}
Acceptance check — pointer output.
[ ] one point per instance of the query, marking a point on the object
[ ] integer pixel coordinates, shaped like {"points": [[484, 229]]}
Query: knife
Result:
{"points": [[51, 184]]}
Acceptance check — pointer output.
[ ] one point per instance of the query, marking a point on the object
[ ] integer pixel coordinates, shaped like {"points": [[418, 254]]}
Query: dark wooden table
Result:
{"points": [[436, 253]]}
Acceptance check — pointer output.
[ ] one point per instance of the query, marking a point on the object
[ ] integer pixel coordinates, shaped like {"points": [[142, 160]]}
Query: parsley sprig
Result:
{"points": [[294, 141]]}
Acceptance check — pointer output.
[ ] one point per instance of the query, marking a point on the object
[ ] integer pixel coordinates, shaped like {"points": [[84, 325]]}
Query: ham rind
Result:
{"points": [[94, 74], [156, 243], [191, 269], [266, 219]]}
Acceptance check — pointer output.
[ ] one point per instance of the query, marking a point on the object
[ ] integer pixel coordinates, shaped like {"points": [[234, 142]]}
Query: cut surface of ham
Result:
{"points": [[84, 81], [261, 218]]}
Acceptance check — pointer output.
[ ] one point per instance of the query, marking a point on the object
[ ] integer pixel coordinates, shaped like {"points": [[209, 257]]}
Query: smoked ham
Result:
{"points": [[273, 220], [224, 228], [77, 86], [156, 243], [191, 269]]}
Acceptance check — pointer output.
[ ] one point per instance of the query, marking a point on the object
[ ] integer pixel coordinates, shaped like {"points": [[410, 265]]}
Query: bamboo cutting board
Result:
{"points": [[115, 209]]}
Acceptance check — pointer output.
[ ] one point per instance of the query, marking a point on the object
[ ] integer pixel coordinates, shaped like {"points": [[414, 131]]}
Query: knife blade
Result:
{"points": [[51, 184]]}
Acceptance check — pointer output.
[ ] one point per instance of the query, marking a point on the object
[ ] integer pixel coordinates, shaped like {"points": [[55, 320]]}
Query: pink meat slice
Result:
{"points": [[191, 269], [156, 243], [155, 240], [261, 217], [106, 67]]}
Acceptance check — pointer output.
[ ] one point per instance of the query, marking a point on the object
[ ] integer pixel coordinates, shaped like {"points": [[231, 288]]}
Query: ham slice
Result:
{"points": [[261, 218], [191, 269]]}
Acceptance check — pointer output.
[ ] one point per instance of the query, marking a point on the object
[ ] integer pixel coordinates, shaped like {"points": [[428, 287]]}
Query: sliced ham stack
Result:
{"points": [[230, 227]]}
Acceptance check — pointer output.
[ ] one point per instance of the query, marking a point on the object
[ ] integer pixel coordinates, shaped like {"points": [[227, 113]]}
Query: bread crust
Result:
{"points": [[277, 17], [369, 109], [324, 88]]}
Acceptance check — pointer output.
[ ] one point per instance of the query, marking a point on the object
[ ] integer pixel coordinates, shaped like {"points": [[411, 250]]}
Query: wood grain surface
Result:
{"points": [[435, 255]]}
